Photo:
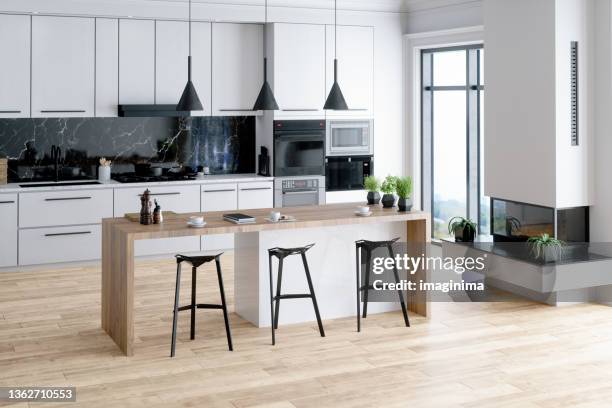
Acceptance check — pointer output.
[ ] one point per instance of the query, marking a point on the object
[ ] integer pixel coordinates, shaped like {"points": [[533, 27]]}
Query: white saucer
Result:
{"points": [[363, 214], [193, 225]]}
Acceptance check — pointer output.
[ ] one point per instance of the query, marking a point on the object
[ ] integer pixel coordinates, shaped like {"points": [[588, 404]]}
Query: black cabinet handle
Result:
{"points": [[219, 191], [63, 111], [67, 198], [256, 188], [10, 111], [161, 194], [61, 234], [7, 202], [300, 110]]}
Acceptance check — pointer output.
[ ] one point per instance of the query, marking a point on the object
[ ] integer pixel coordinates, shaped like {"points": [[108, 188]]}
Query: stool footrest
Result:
{"points": [[200, 306], [304, 296], [368, 287]]}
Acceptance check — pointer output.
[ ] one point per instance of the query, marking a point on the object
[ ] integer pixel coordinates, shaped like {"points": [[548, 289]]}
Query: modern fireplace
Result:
{"points": [[513, 221]]}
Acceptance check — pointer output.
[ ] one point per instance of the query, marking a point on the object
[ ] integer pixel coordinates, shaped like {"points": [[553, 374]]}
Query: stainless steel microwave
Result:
{"points": [[350, 137]]}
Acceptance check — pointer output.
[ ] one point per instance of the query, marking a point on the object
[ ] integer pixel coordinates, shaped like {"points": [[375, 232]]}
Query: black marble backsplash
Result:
{"points": [[226, 145]]}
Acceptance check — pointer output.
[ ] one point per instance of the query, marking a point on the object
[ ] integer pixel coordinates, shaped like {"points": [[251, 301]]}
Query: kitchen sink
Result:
{"points": [[60, 184]]}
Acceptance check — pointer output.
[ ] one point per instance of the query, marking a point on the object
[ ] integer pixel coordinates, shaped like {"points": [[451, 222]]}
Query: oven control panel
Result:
{"points": [[300, 184]]}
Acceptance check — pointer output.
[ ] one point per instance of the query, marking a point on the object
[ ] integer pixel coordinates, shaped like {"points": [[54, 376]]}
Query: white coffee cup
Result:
{"points": [[275, 216], [195, 219], [363, 209]]}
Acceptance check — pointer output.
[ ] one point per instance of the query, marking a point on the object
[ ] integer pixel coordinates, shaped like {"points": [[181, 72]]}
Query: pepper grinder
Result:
{"points": [[145, 208]]}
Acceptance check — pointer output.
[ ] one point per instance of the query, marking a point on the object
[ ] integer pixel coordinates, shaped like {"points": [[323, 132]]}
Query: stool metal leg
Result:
{"points": [[176, 300], [358, 278], [271, 299], [225, 316], [399, 292], [312, 294], [193, 301], [279, 280], [367, 283]]}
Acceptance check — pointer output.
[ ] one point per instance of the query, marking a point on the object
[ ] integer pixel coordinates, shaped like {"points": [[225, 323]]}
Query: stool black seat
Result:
{"points": [[281, 254], [368, 248], [197, 261]]}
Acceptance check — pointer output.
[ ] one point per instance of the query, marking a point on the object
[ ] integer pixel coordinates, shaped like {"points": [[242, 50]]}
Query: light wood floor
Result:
{"points": [[470, 355]]}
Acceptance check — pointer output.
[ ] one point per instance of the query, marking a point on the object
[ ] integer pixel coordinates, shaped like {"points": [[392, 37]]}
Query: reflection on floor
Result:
{"points": [[470, 355]]}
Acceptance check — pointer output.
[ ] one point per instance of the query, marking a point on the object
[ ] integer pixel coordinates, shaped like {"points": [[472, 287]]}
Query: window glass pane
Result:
{"points": [[484, 200], [482, 71], [449, 151], [449, 68]]}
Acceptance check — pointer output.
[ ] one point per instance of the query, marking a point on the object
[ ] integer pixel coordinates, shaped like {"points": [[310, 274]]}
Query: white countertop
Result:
{"points": [[222, 178]]}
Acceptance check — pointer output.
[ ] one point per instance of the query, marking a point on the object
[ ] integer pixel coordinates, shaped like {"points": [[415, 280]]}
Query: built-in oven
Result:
{"points": [[299, 148], [350, 137], [347, 172], [299, 191]]}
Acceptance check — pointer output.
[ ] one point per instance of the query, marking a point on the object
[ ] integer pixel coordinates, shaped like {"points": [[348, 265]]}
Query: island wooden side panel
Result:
{"points": [[418, 235]]}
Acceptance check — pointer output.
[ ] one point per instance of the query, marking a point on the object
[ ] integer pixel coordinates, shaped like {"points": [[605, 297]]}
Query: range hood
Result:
{"points": [[140, 111]]}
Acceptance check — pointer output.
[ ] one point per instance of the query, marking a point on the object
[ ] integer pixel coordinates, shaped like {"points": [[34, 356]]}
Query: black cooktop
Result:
{"points": [[133, 178]]}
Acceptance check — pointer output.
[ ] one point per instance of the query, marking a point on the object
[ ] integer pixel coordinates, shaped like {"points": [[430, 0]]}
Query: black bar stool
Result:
{"points": [[195, 262], [281, 254], [368, 247]]}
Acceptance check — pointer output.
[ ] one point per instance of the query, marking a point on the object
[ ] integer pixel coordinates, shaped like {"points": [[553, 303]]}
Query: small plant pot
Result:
{"points": [[465, 235], [373, 198], [388, 201], [550, 254], [404, 204]]}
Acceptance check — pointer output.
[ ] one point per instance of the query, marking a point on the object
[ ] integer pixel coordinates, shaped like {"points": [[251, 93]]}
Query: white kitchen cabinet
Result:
{"points": [[60, 244], [172, 49], [299, 69], [63, 65], [355, 69], [15, 66], [219, 197], [107, 61], [55, 208], [137, 62], [180, 199], [237, 68], [255, 195], [8, 233]]}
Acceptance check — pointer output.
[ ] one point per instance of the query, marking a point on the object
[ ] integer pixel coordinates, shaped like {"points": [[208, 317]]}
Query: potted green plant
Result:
{"points": [[403, 188], [388, 188], [372, 185], [547, 248], [463, 228]]}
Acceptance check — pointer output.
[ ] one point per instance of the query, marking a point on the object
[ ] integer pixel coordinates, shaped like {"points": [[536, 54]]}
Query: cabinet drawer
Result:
{"points": [[255, 195], [8, 230], [63, 244], [180, 199], [64, 208], [219, 197]]}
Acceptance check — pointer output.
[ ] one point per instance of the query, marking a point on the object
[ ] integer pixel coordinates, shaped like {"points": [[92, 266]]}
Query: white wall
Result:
{"points": [[520, 100], [463, 14]]}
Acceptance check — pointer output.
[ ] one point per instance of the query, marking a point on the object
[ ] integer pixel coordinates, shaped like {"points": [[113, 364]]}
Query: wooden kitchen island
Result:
{"points": [[333, 228]]}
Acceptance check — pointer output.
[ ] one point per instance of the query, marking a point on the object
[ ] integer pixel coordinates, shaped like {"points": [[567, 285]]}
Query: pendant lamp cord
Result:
{"points": [[190, 28], [335, 28]]}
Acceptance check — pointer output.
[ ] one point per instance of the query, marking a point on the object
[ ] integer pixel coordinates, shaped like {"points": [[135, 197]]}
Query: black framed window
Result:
{"points": [[452, 102]]}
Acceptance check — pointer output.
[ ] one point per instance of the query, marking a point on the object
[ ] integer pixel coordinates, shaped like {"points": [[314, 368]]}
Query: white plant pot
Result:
{"points": [[104, 173]]}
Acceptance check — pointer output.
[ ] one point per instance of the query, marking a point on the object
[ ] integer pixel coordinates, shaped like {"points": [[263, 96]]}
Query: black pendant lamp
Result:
{"points": [[265, 99], [189, 99], [335, 99]]}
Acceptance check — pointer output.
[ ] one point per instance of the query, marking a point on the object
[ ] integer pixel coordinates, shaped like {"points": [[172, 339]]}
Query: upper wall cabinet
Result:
{"points": [[137, 62], [63, 66], [15, 66], [237, 67], [172, 49], [107, 61], [355, 69], [299, 69]]}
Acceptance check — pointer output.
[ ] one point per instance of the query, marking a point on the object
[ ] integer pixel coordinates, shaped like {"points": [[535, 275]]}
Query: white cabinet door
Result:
{"points": [[15, 66], [237, 68], [107, 72], [255, 195], [136, 62], [63, 65], [60, 244], [8, 235], [180, 199], [172, 49], [299, 69], [355, 69], [219, 197]]}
